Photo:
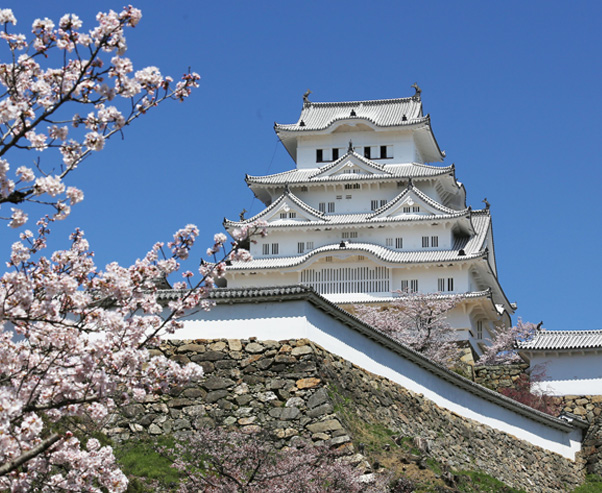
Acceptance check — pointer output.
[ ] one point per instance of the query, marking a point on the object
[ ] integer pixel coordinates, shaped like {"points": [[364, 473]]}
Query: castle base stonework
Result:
{"points": [[294, 388]]}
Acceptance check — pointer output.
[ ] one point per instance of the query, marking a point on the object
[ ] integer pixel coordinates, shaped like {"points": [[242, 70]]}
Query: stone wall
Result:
{"points": [[294, 388], [588, 407], [498, 377]]}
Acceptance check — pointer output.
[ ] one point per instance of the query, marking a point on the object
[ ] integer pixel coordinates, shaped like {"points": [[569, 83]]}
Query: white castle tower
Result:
{"points": [[362, 215]]}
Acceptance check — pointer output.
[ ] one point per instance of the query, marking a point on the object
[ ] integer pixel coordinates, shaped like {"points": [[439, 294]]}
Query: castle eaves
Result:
{"points": [[382, 113], [553, 340], [310, 176]]}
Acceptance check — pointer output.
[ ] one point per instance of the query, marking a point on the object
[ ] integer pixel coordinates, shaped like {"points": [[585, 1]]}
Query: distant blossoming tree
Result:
{"points": [[502, 349], [219, 461], [72, 337], [417, 320]]}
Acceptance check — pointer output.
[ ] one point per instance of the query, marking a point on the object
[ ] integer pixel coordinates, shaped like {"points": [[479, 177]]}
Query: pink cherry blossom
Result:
{"points": [[35, 91]]}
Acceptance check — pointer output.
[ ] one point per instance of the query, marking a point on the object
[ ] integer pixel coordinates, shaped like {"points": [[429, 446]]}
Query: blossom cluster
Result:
{"points": [[73, 338], [95, 73], [418, 321]]}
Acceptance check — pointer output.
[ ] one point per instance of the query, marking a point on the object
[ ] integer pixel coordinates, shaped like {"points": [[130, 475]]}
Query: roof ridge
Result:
{"points": [[362, 101]]}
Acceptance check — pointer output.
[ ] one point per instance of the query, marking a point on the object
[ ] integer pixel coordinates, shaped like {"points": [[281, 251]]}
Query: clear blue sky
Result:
{"points": [[513, 88]]}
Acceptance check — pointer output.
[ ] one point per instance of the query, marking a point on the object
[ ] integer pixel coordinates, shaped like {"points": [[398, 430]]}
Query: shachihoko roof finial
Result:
{"points": [[486, 202], [350, 148], [306, 97], [242, 214], [416, 88]]}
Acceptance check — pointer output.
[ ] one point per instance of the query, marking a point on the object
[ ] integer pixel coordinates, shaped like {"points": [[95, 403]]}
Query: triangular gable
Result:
{"points": [[411, 201], [350, 163], [289, 204]]}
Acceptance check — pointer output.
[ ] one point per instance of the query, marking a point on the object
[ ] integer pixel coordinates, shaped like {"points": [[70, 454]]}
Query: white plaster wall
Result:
{"points": [[411, 233], [262, 279], [299, 319], [428, 277], [570, 374], [402, 142]]}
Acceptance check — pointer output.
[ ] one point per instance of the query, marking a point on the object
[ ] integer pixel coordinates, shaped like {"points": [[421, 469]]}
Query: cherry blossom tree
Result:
{"points": [[219, 461], [502, 350], [73, 337], [417, 320]]}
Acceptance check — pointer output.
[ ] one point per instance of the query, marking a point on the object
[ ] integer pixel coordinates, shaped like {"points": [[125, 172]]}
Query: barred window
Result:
{"points": [[322, 206], [274, 248], [300, 247], [265, 248], [389, 242], [409, 286], [398, 242], [434, 241], [425, 242], [330, 206]]}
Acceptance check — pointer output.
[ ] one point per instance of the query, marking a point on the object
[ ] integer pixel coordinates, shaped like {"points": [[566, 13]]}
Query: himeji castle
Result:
{"points": [[363, 216]]}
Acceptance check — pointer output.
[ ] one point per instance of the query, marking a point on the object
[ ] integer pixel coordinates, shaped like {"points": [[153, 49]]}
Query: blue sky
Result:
{"points": [[513, 89]]}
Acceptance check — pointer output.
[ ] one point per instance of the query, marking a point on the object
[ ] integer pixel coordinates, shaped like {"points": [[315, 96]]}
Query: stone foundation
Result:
{"points": [[296, 389]]}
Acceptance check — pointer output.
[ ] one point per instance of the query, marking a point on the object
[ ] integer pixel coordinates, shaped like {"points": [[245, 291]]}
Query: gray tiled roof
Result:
{"points": [[472, 246], [363, 218], [334, 219], [313, 175], [552, 340], [383, 113]]}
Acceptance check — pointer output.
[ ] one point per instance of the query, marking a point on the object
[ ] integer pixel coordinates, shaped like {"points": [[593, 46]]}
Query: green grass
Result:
{"points": [[478, 482], [140, 459], [593, 484]]}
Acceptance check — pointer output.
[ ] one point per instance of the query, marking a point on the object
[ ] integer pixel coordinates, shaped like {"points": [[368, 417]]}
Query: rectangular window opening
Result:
{"points": [[274, 248], [425, 242]]}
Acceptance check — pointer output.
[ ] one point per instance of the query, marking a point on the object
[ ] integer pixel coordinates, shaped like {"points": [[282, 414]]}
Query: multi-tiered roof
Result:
{"points": [[363, 193]]}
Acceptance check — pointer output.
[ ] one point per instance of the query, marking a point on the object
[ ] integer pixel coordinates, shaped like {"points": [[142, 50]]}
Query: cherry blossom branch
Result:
{"points": [[42, 447]]}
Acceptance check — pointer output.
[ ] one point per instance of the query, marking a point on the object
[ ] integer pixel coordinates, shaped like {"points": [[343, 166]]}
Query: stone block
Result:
{"points": [[307, 383], [324, 426], [179, 402], [216, 395], [234, 345], [215, 383], [294, 402], [154, 429], [284, 413], [254, 348], [301, 350], [194, 393], [211, 356], [193, 348], [317, 398]]}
